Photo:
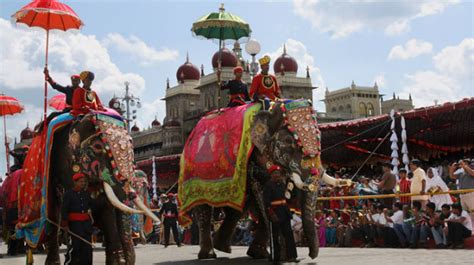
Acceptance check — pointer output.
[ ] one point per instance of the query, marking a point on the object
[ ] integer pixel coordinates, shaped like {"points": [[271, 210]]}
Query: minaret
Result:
{"points": [[167, 83], [202, 70], [307, 72]]}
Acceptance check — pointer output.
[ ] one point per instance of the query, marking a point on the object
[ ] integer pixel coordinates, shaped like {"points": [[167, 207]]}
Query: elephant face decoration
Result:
{"points": [[102, 149], [289, 136]]}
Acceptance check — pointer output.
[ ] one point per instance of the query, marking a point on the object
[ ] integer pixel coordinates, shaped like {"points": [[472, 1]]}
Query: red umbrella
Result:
{"points": [[8, 106], [58, 102], [48, 14]]}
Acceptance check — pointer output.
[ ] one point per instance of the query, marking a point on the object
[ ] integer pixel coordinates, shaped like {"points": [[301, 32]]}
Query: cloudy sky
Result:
{"points": [[425, 48]]}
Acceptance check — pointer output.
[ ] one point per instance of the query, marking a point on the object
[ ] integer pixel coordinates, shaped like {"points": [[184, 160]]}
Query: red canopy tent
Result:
{"points": [[432, 132], [166, 167]]}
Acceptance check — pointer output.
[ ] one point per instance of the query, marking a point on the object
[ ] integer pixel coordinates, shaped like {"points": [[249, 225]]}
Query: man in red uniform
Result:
{"points": [[264, 85], [84, 99]]}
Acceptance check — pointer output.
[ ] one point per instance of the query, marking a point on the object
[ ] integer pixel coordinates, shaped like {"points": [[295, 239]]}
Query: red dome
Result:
{"points": [[26, 134], [113, 101], [285, 63], [135, 128], [228, 58], [172, 123], [188, 71], [155, 123]]}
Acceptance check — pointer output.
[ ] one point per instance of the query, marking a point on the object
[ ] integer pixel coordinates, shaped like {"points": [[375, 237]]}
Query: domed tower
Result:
{"points": [[228, 59], [135, 128], [155, 123], [187, 71], [291, 85], [285, 64], [26, 134]]}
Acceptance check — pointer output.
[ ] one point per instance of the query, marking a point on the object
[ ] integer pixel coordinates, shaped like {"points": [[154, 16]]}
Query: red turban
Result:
{"points": [[273, 168], [238, 69], [78, 176], [170, 195], [75, 77]]}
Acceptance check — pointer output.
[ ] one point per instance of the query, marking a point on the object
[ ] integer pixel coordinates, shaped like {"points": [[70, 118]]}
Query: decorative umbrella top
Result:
{"points": [[9, 105], [222, 26], [48, 14]]}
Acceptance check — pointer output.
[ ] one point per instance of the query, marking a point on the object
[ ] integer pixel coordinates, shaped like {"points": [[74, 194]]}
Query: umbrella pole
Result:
{"points": [[6, 144], [46, 83]]}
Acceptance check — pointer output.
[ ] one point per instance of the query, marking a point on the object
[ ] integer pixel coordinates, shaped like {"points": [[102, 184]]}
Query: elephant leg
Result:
{"points": [[108, 219], [308, 207], [204, 217], [258, 248], [125, 232], [223, 237], [52, 257]]}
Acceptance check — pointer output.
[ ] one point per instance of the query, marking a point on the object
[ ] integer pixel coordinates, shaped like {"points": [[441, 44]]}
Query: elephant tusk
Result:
{"points": [[336, 182], [298, 182], [145, 209], [116, 202]]}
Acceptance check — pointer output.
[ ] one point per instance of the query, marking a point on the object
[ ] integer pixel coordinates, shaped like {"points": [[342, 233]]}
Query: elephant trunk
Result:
{"points": [[296, 178], [116, 202], [308, 208], [145, 209]]}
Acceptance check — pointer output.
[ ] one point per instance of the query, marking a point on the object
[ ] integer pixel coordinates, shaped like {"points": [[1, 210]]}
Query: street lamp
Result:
{"points": [[127, 102], [253, 48]]}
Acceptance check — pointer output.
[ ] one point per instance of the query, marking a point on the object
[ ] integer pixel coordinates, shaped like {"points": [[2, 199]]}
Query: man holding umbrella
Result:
{"points": [[66, 90], [264, 85], [237, 89]]}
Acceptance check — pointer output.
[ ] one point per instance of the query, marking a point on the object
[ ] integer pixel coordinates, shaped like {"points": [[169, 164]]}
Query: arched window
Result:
{"points": [[334, 109], [370, 109], [362, 109], [341, 109], [349, 108]]}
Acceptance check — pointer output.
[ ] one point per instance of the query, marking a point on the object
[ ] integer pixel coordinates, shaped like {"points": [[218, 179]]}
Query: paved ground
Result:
{"points": [[153, 254]]}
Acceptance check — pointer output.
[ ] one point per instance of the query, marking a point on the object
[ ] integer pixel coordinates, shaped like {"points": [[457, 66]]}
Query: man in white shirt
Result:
{"points": [[418, 182], [396, 220], [459, 227], [384, 229]]}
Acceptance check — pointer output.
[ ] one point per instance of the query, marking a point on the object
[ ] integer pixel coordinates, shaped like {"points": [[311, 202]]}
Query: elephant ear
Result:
{"points": [[265, 125]]}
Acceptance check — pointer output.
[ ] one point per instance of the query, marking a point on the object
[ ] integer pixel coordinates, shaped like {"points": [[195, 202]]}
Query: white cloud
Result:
{"points": [[451, 80], [22, 60], [410, 49], [398, 27], [149, 111], [342, 18], [298, 50], [457, 60], [141, 51], [380, 80]]}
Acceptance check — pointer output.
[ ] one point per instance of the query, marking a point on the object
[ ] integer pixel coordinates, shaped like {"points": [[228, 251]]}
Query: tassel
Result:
{"points": [[392, 127], [394, 137], [394, 146], [394, 154], [395, 170], [404, 135], [403, 122], [395, 162], [404, 148], [405, 159]]}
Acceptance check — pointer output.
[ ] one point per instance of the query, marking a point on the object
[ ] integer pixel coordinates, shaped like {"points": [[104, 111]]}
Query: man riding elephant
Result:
{"points": [[220, 168]]}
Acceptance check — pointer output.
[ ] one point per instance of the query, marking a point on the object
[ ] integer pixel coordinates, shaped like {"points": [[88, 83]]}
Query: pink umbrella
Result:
{"points": [[58, 102]]}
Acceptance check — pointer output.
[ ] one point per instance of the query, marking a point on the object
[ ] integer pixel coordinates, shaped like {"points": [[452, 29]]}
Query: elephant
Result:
{"points": [[286, 135], [99, 146]]}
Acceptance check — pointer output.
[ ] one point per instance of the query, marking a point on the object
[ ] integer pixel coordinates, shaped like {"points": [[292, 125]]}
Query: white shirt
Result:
{"points": [[467, 219], [375, 217], [397, 217], [382, 220]]}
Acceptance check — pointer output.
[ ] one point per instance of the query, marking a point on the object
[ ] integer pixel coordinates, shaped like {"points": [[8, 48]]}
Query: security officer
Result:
{"points": [[170, 214], [280, 215], [77, 218]]}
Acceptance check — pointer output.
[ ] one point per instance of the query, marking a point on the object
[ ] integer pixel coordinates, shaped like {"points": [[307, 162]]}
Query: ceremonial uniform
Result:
{"points": [[238, 92], [75, 215], [275, 203], [170, 214], [84, 101], [264, 86]]}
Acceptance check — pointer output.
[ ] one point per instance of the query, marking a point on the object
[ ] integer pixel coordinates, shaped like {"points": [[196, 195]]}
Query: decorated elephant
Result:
{"points": [[286, 135], [99, 146]]}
